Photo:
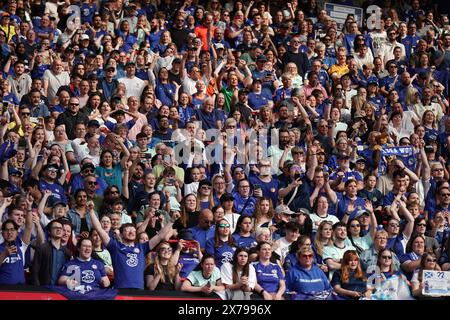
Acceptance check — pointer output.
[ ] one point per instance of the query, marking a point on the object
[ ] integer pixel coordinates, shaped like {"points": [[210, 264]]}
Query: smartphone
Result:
{"points": [[257, 186], [170, 181], [157, 213], [296, 176], [166, 158], [34, 119], [147, 155]]}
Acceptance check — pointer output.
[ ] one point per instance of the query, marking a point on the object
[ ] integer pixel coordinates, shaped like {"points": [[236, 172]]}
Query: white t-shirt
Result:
{"points": [[283, 248], [316, 220], [226, 274], [134, 86]]}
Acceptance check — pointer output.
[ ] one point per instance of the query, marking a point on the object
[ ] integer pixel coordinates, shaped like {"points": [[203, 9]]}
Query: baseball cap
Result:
{"points": [[117, 112], [93, 123], [375, 82], [283, 209], [88, 165], [226, 197], [84, 37], [204, 183], [304, 211], [109, 66], [129, 63], [261, 58], [361, 159], [219, 46], [14, 172], [359, 213], [58, 203], [244, 91], [51, 165]]}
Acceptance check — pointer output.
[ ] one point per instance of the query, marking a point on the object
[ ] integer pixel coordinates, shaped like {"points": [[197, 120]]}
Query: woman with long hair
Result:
{"points": [[204, 195], [428, 261], [263, 213], [189, 213], [163, 274], [243, 235], [205, 278], [222, 246], [324, 237], [269, 287], [78, 215], [238, 276], [350, 281]]}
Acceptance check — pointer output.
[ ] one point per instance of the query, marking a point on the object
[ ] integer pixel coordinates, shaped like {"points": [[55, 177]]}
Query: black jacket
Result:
{"points": [[70, 121], [41, 271]]}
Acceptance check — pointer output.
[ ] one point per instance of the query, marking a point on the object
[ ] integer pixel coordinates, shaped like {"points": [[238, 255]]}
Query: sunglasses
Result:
{"points": [[445, 194], [26, 114], [307, 256], [387, 257], [88, 171], [224, 225], [394, 225], [421, 225], [431, 260], [355, 226]]}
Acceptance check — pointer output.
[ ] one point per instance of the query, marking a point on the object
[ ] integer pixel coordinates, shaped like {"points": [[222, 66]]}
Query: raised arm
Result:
{"points": [[409, 218], [163, 232], [96, 224]]}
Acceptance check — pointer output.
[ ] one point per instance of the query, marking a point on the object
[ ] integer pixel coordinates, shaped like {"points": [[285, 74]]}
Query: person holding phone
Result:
{"points": [[12, 251]]}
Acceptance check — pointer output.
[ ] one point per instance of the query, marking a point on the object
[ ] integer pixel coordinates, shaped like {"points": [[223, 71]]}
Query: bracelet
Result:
{"points": [[347, 213]]}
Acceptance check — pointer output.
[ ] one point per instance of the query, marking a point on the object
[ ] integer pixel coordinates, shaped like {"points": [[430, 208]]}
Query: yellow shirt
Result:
{"points": [[340, 70], [20, 132], [10, 34]]}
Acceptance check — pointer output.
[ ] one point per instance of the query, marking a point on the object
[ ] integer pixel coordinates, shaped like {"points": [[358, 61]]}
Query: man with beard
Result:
{"points": [[141, 194], [49, 181], [178, 33], [71, 117], [276, 151], [128, 256]]}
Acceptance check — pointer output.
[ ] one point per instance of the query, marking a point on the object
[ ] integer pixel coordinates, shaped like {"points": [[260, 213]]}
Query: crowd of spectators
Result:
{"points": [[248, 149]]}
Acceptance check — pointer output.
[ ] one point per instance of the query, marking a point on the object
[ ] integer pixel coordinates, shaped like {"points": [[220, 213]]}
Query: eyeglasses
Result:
{"points": [[431, 260], [224, 225], [206, 187], [387, 257], [309, 256], [421, 224], [438, 169]]}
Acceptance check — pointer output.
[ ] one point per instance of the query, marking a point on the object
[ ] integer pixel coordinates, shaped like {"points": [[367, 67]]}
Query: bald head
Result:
{"points": [[206, 219]]}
